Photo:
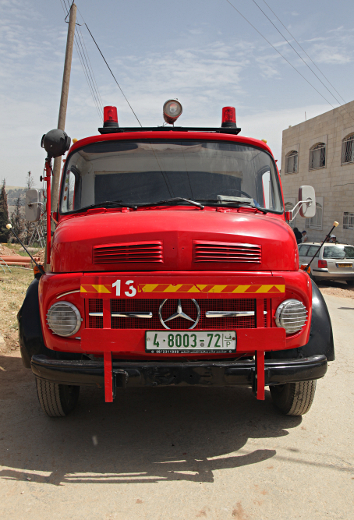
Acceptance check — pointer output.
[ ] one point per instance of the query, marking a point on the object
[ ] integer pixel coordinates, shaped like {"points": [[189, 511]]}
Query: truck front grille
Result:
{"points": [[119, 306]]}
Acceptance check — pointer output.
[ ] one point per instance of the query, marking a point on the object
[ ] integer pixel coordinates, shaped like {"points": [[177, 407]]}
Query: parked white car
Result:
{"points": [[332, 262]]}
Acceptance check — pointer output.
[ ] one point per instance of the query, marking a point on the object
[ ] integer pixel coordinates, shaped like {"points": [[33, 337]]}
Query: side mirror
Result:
{"points": [[307, 201], [33, 205]]}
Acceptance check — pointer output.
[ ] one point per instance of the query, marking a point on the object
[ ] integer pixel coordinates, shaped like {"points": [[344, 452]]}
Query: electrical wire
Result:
{"points": [[110, 70], [280, 54], [85, 62], [303, 50], [293, 48]]}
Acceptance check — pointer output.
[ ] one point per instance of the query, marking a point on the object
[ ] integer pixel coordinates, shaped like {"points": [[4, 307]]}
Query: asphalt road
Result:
{"points": [[166, 454]]}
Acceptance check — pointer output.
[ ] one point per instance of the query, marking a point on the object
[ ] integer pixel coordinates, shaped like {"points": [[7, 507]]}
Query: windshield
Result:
{"points": [[143, 172]]}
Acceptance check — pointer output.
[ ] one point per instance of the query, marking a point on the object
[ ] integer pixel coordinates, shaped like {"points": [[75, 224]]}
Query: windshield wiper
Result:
{"points": [[174, 200], [114, 203], [240, 201]]}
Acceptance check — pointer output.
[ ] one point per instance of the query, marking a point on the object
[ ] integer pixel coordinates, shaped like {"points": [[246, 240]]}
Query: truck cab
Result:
{"points": [[173, 263]]}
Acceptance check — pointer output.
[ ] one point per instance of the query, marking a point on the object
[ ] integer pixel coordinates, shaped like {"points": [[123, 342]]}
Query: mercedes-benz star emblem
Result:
{"points": [[180, 314]]}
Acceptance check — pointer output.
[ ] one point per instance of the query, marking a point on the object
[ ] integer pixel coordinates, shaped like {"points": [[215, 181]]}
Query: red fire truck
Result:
{"points": [[172, 263]]}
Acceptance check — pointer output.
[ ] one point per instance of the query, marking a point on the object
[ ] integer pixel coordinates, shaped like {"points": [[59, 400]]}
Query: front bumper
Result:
{"points": [[164, 373]]}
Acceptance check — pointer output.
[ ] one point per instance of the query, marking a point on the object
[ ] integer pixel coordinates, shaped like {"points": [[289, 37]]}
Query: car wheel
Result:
{"points": [[57, 400], [294, 398]]}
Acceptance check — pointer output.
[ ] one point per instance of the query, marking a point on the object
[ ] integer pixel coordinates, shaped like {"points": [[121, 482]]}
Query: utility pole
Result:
{"points": [[64, 100]]}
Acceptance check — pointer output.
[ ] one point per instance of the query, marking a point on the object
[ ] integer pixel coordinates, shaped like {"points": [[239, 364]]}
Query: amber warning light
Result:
{"points": [[110, 117], [228, 117]]}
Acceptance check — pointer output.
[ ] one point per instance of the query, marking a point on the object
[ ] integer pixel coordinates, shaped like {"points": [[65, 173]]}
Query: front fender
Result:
{"points": [[321, 335]]}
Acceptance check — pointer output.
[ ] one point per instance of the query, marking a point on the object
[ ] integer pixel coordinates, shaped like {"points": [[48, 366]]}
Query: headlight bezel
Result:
{"points": [[53, 322], [292, 315]]}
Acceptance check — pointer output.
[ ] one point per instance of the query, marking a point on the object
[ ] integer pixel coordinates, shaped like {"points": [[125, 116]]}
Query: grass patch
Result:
{"points": [[13, 287]]}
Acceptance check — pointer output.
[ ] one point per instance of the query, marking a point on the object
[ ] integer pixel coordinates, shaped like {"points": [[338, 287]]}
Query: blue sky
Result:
{"points": [[199, 51]]}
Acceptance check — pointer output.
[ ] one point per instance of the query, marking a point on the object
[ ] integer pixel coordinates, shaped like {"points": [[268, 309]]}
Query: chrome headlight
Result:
{"points": [[291, 315], [64, 319]]}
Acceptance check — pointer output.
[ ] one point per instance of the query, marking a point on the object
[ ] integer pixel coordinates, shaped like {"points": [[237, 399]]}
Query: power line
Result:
{"points": [[269, 43], [110, 70], [303, 50], [301, 58], [85, 62]]}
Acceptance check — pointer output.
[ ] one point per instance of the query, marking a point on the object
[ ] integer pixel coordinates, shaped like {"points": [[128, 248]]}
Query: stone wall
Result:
{"points": [[334, 183]]}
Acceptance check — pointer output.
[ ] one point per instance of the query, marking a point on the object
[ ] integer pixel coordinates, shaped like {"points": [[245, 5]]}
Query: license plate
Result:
{"points": [[344, 265], [182, 342]]}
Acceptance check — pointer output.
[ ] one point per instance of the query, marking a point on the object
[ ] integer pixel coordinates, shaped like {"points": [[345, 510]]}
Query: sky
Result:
{"points": [[202, 52]]}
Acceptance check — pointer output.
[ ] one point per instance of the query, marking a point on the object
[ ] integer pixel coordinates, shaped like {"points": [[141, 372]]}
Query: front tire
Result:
{"points": [[294, 398], [57, 400]]}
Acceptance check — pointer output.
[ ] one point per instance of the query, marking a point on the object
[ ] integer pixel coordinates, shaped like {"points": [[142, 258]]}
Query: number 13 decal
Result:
{"points": [[131, 289]]}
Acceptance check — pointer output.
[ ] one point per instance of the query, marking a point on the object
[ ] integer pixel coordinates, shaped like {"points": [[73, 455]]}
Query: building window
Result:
{"points": [[348, 149], [348, 220], [318, 156], [316, 221], [291, 162]]}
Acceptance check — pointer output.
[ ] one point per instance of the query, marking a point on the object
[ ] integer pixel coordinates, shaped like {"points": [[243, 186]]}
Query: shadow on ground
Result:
{"points": [[146, 435]]}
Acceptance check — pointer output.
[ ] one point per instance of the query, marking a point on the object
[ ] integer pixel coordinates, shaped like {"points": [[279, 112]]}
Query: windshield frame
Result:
{"points": [[177, 139]]}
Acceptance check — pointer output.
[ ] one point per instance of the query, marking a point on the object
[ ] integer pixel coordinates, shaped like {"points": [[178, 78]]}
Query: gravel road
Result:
{"points": [[181, 453]]}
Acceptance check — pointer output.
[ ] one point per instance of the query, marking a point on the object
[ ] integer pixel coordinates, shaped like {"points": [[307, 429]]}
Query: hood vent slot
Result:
{"points": [[227, 253], [148, 252]]}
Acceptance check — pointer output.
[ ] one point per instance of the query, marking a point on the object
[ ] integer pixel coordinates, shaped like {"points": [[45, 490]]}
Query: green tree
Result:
{"points": [[17, 220], [28, 227], [4, 214]]}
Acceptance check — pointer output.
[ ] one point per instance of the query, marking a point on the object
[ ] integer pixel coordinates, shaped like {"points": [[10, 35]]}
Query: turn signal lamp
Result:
{"points": [[110, 117], [228, 117], [172, 109]]}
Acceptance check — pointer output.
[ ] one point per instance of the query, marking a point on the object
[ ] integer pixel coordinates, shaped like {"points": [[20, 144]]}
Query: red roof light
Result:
{"points": [[228, 117], [110, 117]]}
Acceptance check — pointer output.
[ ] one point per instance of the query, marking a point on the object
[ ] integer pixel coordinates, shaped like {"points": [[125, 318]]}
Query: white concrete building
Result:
{"points": [[320, 152]]}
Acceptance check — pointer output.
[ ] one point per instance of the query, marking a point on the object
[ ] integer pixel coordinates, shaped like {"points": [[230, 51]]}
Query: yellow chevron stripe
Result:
{"points": [[149, 287], [217, 288], [101, 289], [173, 288], [241, 289]]}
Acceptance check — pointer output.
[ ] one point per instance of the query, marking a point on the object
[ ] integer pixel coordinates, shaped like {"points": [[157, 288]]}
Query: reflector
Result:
{"points": [[228, 119], [110, 117], [172, 109]]}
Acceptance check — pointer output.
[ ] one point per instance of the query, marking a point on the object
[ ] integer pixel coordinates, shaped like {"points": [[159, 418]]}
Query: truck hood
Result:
{"points": [[174, 239]]}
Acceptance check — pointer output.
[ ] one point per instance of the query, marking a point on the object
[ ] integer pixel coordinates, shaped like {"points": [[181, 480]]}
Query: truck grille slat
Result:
{"points": [[234, 253], [128, 253]]}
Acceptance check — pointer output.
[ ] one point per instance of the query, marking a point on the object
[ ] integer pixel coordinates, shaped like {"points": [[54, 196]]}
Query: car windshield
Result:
{"points": [[133, 173], [339, 252]]}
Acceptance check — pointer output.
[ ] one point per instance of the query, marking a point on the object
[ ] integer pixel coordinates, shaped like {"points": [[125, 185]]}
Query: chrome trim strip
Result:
{"points": [[131, 314], [97, 314], [230, 314], [66, 293]]}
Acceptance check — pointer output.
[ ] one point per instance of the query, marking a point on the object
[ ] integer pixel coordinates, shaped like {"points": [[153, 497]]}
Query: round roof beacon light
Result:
{"points": [[228, 119], [172, 109], [110, 117]]}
